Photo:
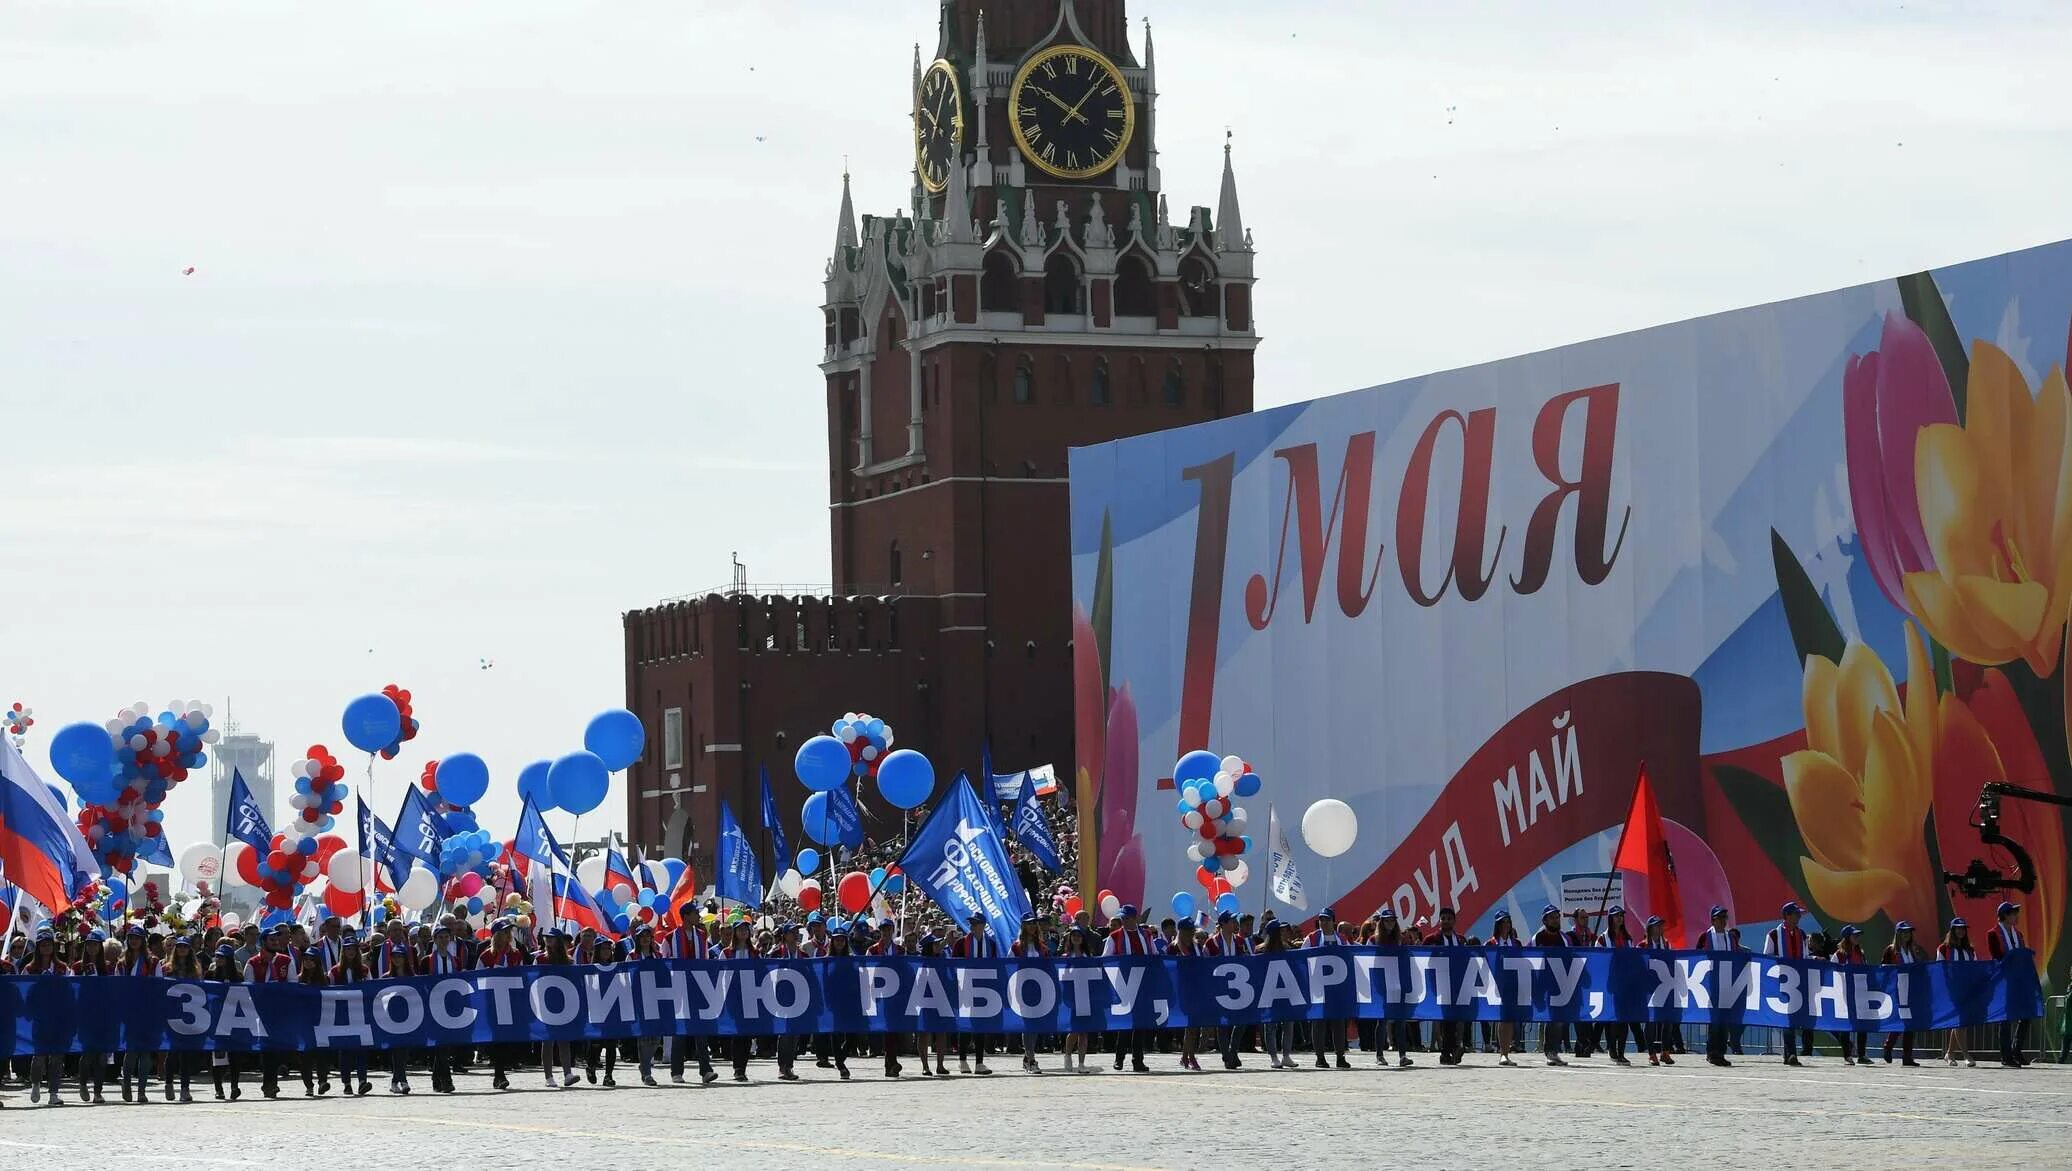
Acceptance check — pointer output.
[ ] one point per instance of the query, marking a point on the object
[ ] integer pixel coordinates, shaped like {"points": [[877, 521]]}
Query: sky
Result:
{"points": [[504, 316]]}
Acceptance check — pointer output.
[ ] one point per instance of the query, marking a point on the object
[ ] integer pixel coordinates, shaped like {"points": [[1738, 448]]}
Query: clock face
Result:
{"points": [[938, 125], [1071, 111]]}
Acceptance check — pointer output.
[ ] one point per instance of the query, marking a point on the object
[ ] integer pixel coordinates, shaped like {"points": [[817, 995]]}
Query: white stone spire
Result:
{"points": [[845, 222], [1230, 222]]}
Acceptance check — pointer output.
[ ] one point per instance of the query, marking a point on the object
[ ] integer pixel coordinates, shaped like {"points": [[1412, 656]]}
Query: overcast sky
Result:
{"points": [[504, 315]]}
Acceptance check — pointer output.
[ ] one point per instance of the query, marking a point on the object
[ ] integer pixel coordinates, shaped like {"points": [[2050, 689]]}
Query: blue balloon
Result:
{"points": [[532, 782], [1183, 904], [579, 781], [822, 763], [372, 722], [1227, 901], [83, 754], [675, 869], [1212, 864], [462, 778], [1248, 784], [1199, 765], [306, 846], [474, 904], [646, 898], [820, 828], [809, 858], [894, 883], [878, 878], [616, 737], [905, 778]]}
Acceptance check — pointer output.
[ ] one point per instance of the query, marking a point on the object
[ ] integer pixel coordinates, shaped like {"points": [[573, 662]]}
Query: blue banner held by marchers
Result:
{"points": [[911, 994]]}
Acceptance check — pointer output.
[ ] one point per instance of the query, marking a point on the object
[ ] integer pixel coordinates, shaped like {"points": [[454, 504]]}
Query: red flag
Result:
{"points": [[1644, 847]]}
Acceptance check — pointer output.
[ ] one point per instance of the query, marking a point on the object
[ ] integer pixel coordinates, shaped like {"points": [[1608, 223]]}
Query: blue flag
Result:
{"points": [[842, 814], [1032, 829], [244, 820], [775, 825], [419, 830], [958, 859], [378, 845], [156, 850], [740, 875], [535, 841]]}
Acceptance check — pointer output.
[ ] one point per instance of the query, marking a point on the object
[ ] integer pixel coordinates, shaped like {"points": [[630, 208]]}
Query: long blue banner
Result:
{"points": [[49, 1014]]}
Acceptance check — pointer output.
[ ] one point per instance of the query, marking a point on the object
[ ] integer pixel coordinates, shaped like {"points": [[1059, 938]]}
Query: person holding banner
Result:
{"points": [[1229, 941], [315, 1073], [1076, 943], [1718, 937], [2005, 940], [553, 954], [93, 1067], [1130, 939], [1787, 942], [1447, 1036], [501, 954], [1280, 1035], [394, 960], [603, 952], [351, 969], [1030, 947], [1902, 950], [1660, 1049], [136, 1062], [1552, 1033], [1503, 934], [1615, 935], [444, 959], [182, 965], [839, 1043], [1581, 935], [1329, 1036], [227, 969], [741, 945], [47, 1070], [1186, 944], [1957, 945], [978, 945]]}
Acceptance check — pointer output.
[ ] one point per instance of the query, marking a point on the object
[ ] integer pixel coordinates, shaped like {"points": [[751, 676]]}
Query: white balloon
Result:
{"points": [[344, 872], [137, 742], [1233, 765], [622, 893], [419, 890], [1237, 872], [208, 711], [200, 862], [657, 874], [1329, 827], [115, 728], [1111, 906], [870, 752], [1238, 818], [1194, 852], [590, 872], [1191, 819], [211, 736], [1225, 784], [1192, 797], [846, 735], [230, 871], [790, 883]]}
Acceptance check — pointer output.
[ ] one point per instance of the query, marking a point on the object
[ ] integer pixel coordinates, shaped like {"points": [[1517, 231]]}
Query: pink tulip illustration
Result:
{"points": [[1888, 396]]}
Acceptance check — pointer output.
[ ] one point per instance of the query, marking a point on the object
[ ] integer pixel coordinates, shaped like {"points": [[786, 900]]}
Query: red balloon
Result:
{"points": [[280, 898], [1072, 906], [809, 897], [343, 904], [1202, 876], [855, 891], [328, 845], [152, 829], [248, 866]]}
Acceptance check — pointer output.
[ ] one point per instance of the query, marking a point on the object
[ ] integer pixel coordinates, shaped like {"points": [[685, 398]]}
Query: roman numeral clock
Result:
{"points": [[1071, 112]]}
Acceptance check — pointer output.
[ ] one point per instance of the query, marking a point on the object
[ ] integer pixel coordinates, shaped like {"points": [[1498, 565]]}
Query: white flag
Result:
{"points": [[1282, 880]]}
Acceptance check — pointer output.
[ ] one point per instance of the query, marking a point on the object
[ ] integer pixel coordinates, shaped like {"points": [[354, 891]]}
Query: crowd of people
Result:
{"points": [[336, 954]]}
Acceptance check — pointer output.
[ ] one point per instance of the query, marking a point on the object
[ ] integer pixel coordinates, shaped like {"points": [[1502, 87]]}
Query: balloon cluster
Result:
{"points": [[320, 793], [121, 792], [1209, 789], [18, 720], [290, 863], [466, 862], [860, 745], [407, 728]]}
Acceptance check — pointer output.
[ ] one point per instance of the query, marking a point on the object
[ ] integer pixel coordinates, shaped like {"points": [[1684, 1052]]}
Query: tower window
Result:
{"points": [[999, 285], [1061, 285], [1175, 388], [1135, 296], [1197, 288], [897, 570], [1101, 394], [1024, 382]]}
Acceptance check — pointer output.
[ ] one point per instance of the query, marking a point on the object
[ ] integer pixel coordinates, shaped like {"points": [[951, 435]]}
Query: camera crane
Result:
{"points": [[1978, 879]]}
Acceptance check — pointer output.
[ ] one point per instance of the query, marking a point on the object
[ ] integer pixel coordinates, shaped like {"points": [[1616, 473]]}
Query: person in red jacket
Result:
{"points": [[270, 966], [2004, 941], [1552, 1033]]}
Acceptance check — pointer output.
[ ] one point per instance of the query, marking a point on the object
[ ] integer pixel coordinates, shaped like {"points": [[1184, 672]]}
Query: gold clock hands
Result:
{"points": [[1083, 99], [1070, 111]]}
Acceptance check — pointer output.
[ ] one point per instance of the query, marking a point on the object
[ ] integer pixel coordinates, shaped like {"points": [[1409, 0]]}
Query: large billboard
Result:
{"points": [[1810, 563]]}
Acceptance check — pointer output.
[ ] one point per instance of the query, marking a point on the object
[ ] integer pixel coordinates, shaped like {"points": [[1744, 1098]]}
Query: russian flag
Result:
{"points": [[685, 891], [616, 871], [573, 904], [40, 848]]}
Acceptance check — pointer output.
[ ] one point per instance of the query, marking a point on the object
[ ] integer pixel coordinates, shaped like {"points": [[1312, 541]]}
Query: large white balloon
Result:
{"points": [[230, 870], [590, 872], [791, 882], [1237, 872], [344, 872], [419, 890], [201, 862], [1329, 827]]}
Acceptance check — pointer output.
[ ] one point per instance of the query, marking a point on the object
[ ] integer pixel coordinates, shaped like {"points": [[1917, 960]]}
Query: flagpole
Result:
{"points": [[366, 888], [1605, 899]]}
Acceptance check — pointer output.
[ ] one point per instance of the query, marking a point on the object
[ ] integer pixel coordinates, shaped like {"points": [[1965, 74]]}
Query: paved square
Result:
{"points": [[1589, 1115]]}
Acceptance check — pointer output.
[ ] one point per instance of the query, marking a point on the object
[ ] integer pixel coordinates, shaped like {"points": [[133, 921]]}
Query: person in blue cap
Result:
{"points": [[1846, 948], [1787, 941], [1552, 1033], [2003, 942], [351, 969], [1504, 934], [554, 953], [1957, 945], [95, 961], [1902, 950], [47, 1070], [182, 964], [1654, 937], [1327, 1037], [1130, 938], [1719, 936], [226, 968]]}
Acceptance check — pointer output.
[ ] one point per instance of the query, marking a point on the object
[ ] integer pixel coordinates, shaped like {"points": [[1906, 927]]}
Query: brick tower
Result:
{"points": [[1034, 295]]}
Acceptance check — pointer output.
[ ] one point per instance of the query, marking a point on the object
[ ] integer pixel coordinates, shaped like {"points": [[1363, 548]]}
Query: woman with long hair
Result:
{"points": [[316, 1076], [1280, 1035], [351, 969], [1957, 945], [1078, 944], [182, 964], [1503, 934], [223, 1065], [554, 953], [47, 1070], [1660, 1049]]}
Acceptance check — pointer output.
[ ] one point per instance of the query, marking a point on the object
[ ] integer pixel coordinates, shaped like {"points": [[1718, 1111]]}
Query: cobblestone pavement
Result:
{"points": [[1589, 1115]]}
